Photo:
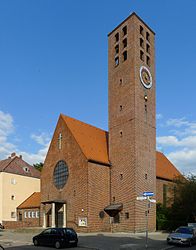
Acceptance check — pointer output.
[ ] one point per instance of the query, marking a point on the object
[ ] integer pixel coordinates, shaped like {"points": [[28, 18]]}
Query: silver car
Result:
{"points": [[183, 236]]}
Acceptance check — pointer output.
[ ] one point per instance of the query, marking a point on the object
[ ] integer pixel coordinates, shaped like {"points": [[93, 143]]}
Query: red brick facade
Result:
{"points": [[110, 172], [132, 131]]}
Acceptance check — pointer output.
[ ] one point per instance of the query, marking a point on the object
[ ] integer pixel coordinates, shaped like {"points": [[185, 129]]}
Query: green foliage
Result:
{"points": [[38, 166], [183, 209]]}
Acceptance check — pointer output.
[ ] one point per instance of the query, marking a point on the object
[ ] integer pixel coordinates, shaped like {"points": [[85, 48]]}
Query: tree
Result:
{"points": [[183, 208], [38, 166]]}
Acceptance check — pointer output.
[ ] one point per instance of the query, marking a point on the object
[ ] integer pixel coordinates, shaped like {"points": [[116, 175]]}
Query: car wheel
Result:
{"points": [[75, 244], [36, 243], [190, 243], [57, 245]]}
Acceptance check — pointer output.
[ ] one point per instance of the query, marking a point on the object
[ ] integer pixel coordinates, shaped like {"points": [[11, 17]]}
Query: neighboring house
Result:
{"points": [[29, 210], [18, 180]]}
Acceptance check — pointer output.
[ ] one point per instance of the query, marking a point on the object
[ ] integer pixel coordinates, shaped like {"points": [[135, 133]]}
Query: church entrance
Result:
{"points": [[56, 216]]}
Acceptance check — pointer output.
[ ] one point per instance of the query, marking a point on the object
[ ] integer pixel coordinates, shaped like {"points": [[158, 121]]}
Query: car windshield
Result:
{"points": [[184, 230]]}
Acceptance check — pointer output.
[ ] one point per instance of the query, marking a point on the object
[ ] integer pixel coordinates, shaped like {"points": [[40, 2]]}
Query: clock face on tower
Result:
{"points": [[145, 77]]}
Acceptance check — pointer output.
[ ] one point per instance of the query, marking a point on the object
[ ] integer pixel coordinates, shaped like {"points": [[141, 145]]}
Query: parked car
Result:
{"points": [[1, 226], [183, 236], [57, 237]]}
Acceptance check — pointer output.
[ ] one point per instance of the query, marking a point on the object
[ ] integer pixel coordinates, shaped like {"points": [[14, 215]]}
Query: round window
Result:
{"points": [[60, 174]]}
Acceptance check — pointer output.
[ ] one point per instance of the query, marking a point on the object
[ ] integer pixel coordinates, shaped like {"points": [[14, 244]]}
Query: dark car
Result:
{"points": [[182, 236], [57, 237]]}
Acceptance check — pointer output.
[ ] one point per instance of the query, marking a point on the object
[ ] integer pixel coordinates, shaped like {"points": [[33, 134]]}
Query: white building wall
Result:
{"points": [[14, 190]]}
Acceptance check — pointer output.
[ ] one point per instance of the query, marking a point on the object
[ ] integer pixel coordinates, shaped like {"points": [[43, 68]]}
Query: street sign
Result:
{"points": [[148, 194], [152, 200], [141, 198]]}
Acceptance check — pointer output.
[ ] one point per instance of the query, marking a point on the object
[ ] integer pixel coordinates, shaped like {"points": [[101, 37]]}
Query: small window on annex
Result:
{"points": [[60, 174]]}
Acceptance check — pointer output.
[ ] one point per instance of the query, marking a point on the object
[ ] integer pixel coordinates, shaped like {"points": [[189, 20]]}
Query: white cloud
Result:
{"points": [[180, 143], [185, 160], [41, 139], [7, 147]]}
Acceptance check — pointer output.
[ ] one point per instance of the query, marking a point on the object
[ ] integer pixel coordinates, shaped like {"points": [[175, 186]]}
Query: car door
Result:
{"points": [[44, 237]]}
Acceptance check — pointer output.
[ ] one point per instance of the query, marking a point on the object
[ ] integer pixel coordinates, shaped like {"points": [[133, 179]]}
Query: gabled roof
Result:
{"points": [[32, 201], [165, 169], [16, 165], [92, 141], [94, 145]]}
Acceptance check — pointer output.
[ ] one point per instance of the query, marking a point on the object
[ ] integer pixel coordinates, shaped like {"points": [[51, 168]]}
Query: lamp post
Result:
{"points": [[146, 197]]}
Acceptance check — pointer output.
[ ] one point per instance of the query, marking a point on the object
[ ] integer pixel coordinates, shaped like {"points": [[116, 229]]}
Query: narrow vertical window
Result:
{"points": [[116, 61], [141, 30], [148, 60], [117, 37], [125, 55], [116, 49], [124, 30], [60, 141], [141, 43], [148, 48], [147, 36], [125, 43]]}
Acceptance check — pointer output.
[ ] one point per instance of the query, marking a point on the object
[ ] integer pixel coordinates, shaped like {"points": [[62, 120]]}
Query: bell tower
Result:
{"points": [[132, 128]]}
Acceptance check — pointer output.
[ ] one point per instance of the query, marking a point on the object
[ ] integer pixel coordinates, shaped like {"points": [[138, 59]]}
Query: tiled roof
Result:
{"points": [[16, 165], [92, 141], [165, 169], [32, 201], [94, 144]]}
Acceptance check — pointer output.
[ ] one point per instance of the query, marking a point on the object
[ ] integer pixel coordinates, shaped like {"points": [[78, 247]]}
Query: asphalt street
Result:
{"points": [[94, 241]]}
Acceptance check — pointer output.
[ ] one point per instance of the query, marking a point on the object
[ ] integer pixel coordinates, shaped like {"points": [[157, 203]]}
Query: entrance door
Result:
{"points": [[59, 219]]}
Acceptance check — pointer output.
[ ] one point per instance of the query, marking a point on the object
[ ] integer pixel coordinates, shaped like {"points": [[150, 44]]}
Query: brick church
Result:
{"points": [[91, 177]]}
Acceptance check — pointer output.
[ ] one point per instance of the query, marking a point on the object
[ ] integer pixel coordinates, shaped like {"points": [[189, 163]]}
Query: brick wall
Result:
{"points": [[98, 197], [132, 132], [74, 193]]}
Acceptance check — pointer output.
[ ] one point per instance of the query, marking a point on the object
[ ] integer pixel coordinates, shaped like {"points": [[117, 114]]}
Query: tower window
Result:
{"points": [[120, 107], [121, 176], [12, 197], [116, 61], [148, 60], [121, 81], [121, 133], [124, 30], [148, 48], [125, 55], [141, 43], [116, 49], [141, 55], [117, 37], [147, 36], [146, 176], [126, 215], [125, 43], [141, 30]]}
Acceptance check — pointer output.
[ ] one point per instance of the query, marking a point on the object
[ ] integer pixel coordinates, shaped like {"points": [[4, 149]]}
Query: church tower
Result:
{"points": [[132, 131]]}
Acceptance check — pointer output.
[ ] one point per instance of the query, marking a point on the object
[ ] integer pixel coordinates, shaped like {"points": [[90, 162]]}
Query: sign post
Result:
{"points": [[146, 197]]}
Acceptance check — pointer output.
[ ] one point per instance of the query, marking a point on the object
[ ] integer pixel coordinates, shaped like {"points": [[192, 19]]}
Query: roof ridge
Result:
{"points": [[84, 123], [73, 135], [10, 162], [27, 198]]}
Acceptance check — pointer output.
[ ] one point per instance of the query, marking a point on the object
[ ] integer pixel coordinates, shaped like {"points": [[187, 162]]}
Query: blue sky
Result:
{"points": [[53, 59]]}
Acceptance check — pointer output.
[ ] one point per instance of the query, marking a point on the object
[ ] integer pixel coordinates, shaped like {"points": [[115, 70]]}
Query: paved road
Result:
{"points": [[14, 240]]}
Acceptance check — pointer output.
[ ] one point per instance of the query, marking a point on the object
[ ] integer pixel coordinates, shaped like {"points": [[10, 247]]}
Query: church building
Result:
{"points": [[91, 178]]}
